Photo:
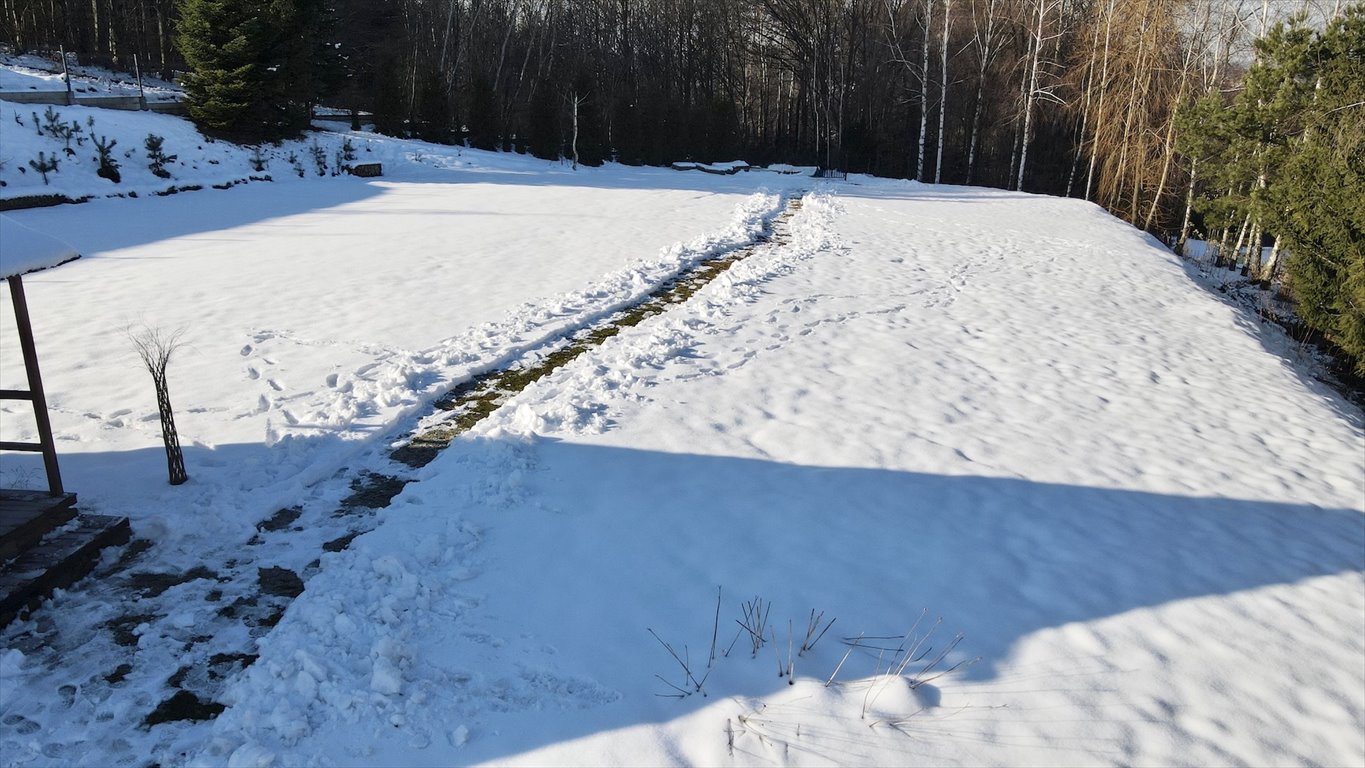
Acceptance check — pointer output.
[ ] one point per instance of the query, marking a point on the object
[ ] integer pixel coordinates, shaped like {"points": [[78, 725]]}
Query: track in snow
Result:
{"points": [[175, 638]]}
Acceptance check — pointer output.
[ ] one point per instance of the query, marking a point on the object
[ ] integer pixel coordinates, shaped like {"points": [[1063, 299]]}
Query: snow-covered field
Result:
{"points": [[1010, 412]]}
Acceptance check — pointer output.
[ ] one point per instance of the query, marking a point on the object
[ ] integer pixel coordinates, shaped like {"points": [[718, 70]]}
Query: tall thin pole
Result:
{"points": [[66, 75], [141, 96]]}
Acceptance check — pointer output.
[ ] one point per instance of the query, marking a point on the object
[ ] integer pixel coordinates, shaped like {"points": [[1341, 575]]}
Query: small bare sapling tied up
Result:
{"points": [[155, 347]]}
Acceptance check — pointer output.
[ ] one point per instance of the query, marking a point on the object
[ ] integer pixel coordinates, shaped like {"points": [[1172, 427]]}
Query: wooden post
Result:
{"points": [[66, 75], [141, 96], [35, 384]]}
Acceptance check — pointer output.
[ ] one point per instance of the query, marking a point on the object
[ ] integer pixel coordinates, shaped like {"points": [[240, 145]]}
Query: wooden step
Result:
{"points": [[61, 559], [27, 516]]}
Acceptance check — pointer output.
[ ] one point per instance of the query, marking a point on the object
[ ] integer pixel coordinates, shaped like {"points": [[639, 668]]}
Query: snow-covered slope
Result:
{"points": [[316, 313], [1009, 411], [1012, 412], [33, 133]]}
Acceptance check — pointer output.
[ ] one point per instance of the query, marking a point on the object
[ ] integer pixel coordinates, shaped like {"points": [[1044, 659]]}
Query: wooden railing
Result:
{"points": [[34, 394]]}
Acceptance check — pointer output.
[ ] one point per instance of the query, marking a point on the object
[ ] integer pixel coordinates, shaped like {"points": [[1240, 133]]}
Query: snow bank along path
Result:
{"points": [[1013, 411]]}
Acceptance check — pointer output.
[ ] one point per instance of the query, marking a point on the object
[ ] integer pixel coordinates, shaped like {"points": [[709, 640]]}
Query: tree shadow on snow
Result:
{"points": [[113, 224], [602, 542], [612, 540]]}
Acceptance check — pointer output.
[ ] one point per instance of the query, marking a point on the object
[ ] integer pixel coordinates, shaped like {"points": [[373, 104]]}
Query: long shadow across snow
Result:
{"points": [[607, 541], [1004, 557], [611, 540], [113, 224]]}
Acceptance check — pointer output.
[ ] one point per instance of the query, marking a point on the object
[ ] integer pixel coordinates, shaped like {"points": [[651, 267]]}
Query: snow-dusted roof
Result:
{"points": [[24, 249]]}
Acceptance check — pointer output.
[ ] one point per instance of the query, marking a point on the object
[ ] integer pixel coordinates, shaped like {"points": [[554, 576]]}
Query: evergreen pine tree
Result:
{"points": [[257, 66], [626, 133], [1243, 143], [543, 136], [219, 40], [483, 113], [1289, 151], [1319, 201], [386, 94], [304, 61], [434, 117]]}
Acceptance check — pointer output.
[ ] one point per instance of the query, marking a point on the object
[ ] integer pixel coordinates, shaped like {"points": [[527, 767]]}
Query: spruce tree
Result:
{"points": [[257, 66], [220, 41]]}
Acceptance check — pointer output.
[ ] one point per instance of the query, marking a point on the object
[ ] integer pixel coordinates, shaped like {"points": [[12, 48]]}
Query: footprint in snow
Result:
{"points": [[22, 725]]}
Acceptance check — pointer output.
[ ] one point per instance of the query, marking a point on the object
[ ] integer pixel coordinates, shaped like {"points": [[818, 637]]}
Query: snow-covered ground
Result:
{"points": [[1012, 411], [1009, 411], [315, 312], [29, 136]]}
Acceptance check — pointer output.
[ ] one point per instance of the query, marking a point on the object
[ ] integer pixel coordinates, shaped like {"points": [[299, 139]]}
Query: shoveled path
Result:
{"points": [[214, 612]]}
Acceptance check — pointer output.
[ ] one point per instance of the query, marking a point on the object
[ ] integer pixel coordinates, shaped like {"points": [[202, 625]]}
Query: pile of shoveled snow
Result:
{"points": [[1010, 412]]}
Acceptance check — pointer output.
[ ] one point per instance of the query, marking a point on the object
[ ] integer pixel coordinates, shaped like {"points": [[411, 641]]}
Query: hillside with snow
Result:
{"points": [[927, 475]]}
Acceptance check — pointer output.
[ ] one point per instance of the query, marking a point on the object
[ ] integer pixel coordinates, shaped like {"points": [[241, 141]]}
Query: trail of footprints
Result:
{"points": [[259, 367]]}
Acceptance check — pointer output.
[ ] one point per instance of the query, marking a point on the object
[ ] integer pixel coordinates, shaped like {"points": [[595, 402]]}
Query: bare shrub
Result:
{"points": [[155, 347]]}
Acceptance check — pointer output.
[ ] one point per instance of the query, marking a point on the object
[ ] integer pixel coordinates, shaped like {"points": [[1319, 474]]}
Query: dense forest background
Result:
{"points": [[1237, 121]]}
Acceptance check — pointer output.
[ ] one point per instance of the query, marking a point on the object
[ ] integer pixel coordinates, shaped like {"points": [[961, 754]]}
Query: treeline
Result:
{"points": [[1156, 109], [1285, 158], [932, 89], [993, 92], [1062, 96], [107, 33]]}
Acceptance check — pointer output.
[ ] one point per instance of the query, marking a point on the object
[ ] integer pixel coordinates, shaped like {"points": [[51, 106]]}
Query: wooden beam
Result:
{"points": [[35, 385]]}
